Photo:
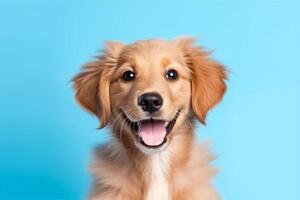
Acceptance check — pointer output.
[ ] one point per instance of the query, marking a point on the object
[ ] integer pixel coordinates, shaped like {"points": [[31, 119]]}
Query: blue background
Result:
{"points": [[46, 139]]}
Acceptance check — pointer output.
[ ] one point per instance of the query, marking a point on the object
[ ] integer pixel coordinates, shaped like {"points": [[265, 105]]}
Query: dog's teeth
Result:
{"points": [[166, 124]]}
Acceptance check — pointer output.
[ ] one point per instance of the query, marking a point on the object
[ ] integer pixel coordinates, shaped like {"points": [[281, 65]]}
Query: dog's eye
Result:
{"points": [[171, 74], [128, 76]]}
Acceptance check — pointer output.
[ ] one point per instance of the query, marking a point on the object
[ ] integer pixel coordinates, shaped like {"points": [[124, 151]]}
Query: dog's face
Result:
{"points": [[150, 88]]}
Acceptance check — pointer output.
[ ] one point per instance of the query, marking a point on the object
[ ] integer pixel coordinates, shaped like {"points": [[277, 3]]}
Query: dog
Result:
{"points": [[150, 94]]}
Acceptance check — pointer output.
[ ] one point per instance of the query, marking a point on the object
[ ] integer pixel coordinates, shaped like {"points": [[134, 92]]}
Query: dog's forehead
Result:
{"points": [[151, 51]]}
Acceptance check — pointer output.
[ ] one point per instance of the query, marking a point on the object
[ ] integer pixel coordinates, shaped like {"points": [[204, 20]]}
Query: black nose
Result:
{"points": [[150, 102]]}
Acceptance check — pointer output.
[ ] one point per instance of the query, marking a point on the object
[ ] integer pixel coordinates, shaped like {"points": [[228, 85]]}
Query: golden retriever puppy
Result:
{"points": [[150, 94]]}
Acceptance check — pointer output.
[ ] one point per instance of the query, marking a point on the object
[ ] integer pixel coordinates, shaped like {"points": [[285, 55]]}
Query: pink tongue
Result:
{"points": [[152, 132]]}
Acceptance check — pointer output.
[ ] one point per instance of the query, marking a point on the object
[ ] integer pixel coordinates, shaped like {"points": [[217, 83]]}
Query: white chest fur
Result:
{"points": [[159, 186]]}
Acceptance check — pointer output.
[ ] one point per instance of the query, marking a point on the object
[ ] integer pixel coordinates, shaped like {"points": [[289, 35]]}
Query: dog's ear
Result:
{"points": [[207, 77], [91, 85]]}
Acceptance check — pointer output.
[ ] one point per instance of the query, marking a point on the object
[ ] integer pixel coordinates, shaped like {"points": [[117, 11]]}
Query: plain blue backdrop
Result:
{"points": [[46, 139]]}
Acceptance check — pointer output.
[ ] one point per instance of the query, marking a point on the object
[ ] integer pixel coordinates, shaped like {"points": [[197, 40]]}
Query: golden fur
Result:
{"points": [[122, 170]]}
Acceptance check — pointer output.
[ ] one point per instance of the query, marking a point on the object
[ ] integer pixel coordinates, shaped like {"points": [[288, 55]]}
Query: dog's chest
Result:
{"points": [[158, 188]]}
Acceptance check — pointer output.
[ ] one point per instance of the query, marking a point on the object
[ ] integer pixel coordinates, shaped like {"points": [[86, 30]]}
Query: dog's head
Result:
{"points": [[148, 89]]}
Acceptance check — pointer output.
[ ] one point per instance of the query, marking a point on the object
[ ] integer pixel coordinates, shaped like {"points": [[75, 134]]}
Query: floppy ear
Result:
{"points": [[91, 85], [207, 78]]}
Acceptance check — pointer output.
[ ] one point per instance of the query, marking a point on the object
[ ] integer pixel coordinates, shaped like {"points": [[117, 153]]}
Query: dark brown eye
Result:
{"points": [[128, 76], [172, 74]]}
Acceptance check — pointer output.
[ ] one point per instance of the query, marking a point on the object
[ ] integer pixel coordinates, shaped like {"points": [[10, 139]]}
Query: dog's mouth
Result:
{"points": [[151, 133]]}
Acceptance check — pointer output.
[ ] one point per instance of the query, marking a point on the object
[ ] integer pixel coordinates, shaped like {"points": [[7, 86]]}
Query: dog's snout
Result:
{"points": [[150, 102]]}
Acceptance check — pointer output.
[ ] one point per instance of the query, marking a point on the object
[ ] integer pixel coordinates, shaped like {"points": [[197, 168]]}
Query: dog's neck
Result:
{"points": [[181, 170]]}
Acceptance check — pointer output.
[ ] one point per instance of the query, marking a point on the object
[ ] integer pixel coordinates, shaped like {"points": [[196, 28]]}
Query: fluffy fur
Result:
{"points": [[124, 168]]}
